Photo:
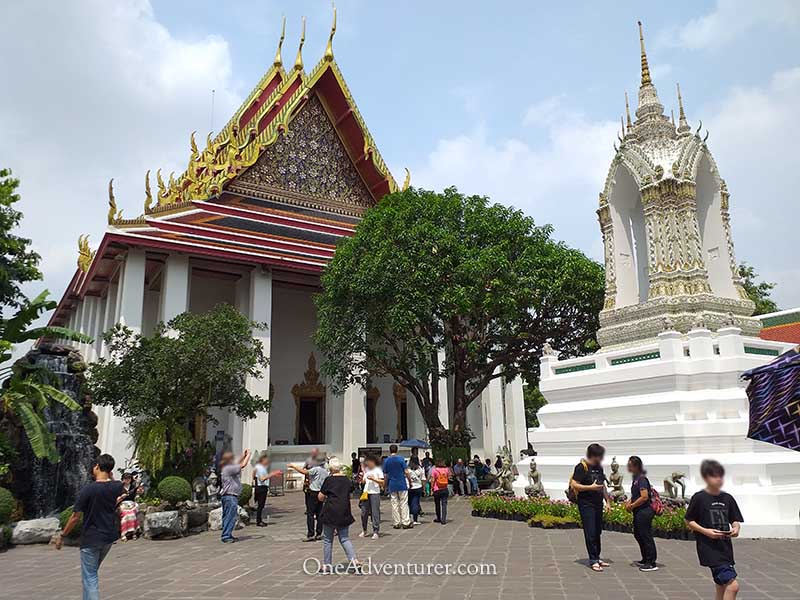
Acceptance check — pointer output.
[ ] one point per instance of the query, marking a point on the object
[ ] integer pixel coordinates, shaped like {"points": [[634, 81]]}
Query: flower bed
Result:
{"points": [[543, 512]]}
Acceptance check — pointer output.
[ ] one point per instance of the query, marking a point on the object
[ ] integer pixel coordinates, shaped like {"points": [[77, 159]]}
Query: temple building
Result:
{"points": [[676, 331], [253, 221]]}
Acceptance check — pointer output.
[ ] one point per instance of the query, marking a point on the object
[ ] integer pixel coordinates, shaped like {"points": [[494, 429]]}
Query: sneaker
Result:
{"points": [[436, 521], [396, 526], [228, 541], [317, 538], [639, 563], [648, 568], [310, 538], [375, 536], [362, 534]]}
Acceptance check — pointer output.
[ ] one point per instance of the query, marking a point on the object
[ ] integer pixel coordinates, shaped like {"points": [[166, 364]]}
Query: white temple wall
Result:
{"points": [[207, 292], [150, 316], [293, 327]]}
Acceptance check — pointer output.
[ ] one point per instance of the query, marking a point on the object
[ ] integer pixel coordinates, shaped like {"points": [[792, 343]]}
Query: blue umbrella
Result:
{"points": [[774, 393], [414, 443]]}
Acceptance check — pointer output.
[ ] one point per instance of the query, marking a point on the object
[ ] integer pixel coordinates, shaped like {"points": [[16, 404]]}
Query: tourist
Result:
{"points": [[417, 476], [490, 470], [398, 477], [439, 479], [261, 476], [355, 465], [643, 514], [427, 465], [588, 482], [498, 464], [370, 500], [231, 476], [336, 516], [472, 479], [715, 518], [315, 476], [97, 503], [459, 477]]}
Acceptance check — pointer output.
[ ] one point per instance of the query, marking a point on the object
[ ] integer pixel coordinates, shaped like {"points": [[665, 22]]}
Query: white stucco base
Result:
{"points": [[674, 402]]}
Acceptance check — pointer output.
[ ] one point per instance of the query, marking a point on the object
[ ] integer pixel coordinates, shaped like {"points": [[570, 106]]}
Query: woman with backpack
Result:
{"points": [[642, 506], [439, 478]]}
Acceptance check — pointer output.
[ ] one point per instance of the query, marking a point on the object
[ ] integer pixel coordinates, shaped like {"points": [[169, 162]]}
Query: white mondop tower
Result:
{"points": [[676, 332]]}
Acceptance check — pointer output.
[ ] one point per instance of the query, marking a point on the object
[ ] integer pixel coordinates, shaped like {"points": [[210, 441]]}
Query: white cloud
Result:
{"points": [[96, 90], [730, 19], [553, 169], [754, 133]]}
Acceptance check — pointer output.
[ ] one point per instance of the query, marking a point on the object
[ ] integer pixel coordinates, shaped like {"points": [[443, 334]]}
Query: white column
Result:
{"points": [[354, 419], [493, 427], [731, 342], [109, 315], [98, 328], [444, 401], [417, 427], [88, 326], [516, 429], [174, 287], [670, 345], [701, 345], [131, 297], [255, 432]]}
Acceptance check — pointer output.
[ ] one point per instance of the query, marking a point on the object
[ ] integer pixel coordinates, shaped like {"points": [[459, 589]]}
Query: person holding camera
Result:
{"points": [[588, 485]]}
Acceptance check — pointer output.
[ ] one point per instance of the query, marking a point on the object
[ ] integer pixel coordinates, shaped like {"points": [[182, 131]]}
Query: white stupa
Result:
{"points": [[676, 333]]}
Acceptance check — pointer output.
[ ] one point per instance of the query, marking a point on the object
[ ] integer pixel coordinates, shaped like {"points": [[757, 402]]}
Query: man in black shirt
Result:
{"points": [[588, 482], [715, 518], [97, 502]]}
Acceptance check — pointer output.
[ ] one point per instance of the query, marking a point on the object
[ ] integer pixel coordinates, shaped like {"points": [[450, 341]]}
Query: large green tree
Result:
{"points": [[18, 263], [760, 292], [161, 382], [428, 272]]}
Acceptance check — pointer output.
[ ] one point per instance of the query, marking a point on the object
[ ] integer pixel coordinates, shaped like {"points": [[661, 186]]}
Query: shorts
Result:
{"points": [[723, 574]]}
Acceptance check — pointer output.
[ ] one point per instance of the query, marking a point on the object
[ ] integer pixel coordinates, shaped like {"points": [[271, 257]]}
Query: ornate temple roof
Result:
{"points": [[290, 173], [651, 146]]}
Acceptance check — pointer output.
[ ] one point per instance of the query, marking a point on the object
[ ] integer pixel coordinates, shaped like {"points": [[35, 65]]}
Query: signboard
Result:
{"points": [[375, 451]]}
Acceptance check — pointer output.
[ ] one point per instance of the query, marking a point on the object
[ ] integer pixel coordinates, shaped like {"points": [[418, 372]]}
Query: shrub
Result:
{"points": [[174, 489], [551, 521], [7, 505], [64, 517], [245, 494]]}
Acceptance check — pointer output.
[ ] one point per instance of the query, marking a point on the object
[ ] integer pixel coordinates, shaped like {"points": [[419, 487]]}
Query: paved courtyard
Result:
{"points": [[268, 564]]}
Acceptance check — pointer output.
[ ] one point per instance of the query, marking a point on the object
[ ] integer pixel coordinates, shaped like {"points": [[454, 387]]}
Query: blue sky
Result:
{"points": [[517, 100]]}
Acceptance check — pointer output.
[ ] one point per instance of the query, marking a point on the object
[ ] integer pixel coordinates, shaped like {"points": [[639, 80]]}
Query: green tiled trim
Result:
{"points": [[635, 358], [788, 319], [573, 369], [761, 351]]}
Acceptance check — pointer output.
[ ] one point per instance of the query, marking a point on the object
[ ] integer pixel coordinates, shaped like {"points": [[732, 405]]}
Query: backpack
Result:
{"points": [[442, 478], [656, 503], [572, 495]]}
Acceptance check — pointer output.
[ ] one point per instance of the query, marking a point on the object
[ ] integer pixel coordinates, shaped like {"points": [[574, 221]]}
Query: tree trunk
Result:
{"points": [[459, 403]]}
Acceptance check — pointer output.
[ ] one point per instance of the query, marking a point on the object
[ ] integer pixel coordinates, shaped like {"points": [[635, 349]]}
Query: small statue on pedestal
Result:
{"points": [[212, 490], [671, 484], [617, 492], [534, 489], [199, 489]]}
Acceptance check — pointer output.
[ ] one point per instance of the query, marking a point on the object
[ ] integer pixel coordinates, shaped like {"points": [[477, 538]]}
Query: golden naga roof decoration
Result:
{"points": [[85, 253], [407, 181], [148, 194], [114, 215], [298, 62], [234, 149], [329, 48], [278, 62]]}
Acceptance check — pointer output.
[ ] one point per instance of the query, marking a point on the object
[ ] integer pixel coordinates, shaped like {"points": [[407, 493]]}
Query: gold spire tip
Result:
{"points": [[645, 68], [298, 62], [329, 47], [278, 62]]}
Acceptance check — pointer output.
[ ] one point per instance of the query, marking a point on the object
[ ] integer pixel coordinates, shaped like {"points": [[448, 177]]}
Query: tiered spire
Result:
{"points": [[648, 97], [683, 124]]}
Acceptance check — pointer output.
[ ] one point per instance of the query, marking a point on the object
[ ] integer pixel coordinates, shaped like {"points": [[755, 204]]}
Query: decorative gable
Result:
{"points": [[309, 158]]}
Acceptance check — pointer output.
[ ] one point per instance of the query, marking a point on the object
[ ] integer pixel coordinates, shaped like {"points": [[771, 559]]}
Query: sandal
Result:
{"points": [[597, 568], [603, 563]]}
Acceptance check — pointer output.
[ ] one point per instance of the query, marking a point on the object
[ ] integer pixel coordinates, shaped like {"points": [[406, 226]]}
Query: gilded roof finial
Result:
{"points": [[329, 48], [113, 213], [278, 62], [85, 253], [683, 124], [627, 111], [645, 68], [298, 62], [407, 181], [148, 195]]}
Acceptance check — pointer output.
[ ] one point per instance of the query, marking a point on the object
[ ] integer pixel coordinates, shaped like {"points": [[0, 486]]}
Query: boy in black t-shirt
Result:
{"points": [[715, 518], [97, 502]]}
